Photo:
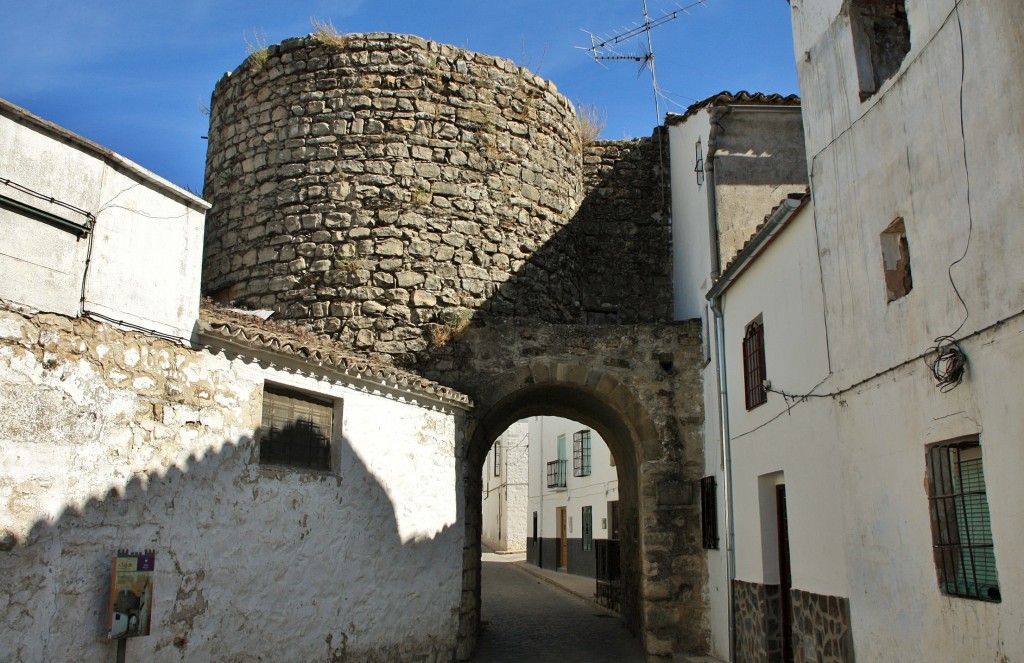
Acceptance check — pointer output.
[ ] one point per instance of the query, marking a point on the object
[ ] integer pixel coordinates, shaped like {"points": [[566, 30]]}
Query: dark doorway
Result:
{"points": [[785, 579]]}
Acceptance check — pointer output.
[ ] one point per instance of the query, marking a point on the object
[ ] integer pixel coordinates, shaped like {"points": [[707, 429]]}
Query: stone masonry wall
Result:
{"points": [[624, 254], [758, 622], [386, 188], [113, 439], [374, 186], [822, 632]]}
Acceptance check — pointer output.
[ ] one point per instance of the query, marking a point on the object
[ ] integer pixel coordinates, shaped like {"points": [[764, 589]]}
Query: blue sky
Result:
{"points": [[133, 75]]}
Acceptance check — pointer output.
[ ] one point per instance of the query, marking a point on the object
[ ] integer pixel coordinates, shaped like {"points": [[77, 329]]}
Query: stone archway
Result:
{"points": [[635, 406]]}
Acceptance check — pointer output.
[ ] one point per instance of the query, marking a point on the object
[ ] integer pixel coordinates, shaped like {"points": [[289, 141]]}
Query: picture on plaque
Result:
{"points": [[131, 595]]}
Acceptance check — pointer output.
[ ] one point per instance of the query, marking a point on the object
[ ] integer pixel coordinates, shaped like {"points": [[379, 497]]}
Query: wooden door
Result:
{"points": [[785, 579]]}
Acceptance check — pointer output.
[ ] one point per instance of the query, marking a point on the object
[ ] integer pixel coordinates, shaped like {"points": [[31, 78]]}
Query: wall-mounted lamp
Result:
{"points": [[699, 163]]}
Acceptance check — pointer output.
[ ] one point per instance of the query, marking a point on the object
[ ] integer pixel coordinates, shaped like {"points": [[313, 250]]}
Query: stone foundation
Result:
{"points": [[821, 628], [821, 625], [758, 610]]}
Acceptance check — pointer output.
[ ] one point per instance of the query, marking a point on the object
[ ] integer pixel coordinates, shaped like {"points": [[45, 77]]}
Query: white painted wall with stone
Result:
{"points": [[144, 252], [785, 441], [912, 150], [115, 440], [596, 490], [505, 495]]}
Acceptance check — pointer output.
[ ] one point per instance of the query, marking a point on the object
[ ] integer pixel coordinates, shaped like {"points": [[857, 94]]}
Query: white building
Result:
{"points": [[505, 488], [302, 502], [869, 352], [733, 157], [573, 499]]}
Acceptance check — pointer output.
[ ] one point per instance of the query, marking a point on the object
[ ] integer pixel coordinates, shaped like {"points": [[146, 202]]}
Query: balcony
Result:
{"points": [[556, 474]]}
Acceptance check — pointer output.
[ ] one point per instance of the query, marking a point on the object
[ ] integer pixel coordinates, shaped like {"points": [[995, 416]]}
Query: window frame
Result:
{"points": [[958, 509], [899, 278], [277, 397], [497, 458], [709, 513], [755, 371], [878, 61], [581, 458]]}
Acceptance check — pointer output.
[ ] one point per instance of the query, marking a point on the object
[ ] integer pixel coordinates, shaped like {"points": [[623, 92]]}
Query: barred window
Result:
{"points": [[497, 458], [961, 530], [709, 513], [754, 372], [296, 430], [581, 453], [588, 528]]}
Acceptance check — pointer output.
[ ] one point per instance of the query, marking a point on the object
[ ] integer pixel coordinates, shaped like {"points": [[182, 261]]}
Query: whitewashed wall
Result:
{"points": [[115, 440], [505, 495], [946, 157], [783, 287], [596, 490], [144, 252], [691, 253]]}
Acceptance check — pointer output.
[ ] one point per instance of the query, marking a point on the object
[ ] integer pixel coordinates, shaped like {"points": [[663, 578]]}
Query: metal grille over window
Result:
{"points": [[581, 454], [497, 459], [588, 528], [556, 474], [754, 373], [296, 430], [961, 530], [709, 513]]}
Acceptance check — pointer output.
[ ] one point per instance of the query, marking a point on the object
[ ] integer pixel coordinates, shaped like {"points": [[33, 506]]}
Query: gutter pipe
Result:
{"points": [[723, 422]]}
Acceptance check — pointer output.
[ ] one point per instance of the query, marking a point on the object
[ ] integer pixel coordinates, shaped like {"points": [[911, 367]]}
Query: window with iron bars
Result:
{"points": [[556, 474], [709, 513], [961, 530], [295, 430], [497, 458], [754, 373], [581, 454]]}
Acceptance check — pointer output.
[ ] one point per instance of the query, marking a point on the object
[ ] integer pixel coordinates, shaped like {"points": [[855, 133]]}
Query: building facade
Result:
{"points": [[865, 486], [573, 498], [505, 488], [300, 502]]}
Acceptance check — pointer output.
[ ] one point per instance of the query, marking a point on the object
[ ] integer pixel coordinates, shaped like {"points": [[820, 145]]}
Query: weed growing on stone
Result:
{"points": [[326, 33], [349, 264], [590, 123], [256, 50], [453, 325]]}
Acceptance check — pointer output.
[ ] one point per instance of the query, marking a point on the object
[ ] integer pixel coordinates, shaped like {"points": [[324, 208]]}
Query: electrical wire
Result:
{"points": [[49, 199], [949, 365]]}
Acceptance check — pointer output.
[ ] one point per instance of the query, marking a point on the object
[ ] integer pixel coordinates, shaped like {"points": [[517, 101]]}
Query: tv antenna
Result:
{"points": [[605, 49]]}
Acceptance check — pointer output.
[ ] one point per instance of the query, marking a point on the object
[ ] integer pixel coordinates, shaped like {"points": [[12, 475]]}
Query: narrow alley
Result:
{"points": [[527, 619]]}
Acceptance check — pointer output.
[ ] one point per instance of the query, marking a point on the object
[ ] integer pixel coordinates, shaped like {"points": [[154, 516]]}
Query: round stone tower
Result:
{"points": [[383, 189]]}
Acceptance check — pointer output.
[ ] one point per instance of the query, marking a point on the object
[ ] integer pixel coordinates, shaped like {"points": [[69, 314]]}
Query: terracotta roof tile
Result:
{"points": [[289, 338], [741, 98]]}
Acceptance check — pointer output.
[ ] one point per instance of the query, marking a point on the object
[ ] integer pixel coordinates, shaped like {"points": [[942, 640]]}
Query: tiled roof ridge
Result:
{"points": [[290, 338], [742, 97]]}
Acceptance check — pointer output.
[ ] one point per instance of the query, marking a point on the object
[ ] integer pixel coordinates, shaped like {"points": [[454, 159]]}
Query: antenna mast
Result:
{"points": [[604, 49]]}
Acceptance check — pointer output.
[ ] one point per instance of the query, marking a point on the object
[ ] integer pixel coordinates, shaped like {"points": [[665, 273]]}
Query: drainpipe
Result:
{"points": [[723, 407]]}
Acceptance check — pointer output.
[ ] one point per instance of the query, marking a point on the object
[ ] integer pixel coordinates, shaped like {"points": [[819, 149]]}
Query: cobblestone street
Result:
{"points": [[527, 620]]}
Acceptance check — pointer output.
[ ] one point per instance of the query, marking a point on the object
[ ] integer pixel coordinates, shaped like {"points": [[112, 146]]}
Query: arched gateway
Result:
{"points": [[642, 393], [442, 209]]}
